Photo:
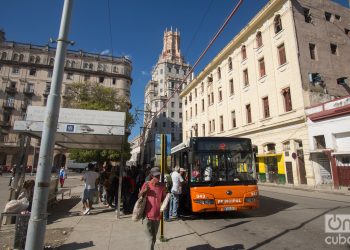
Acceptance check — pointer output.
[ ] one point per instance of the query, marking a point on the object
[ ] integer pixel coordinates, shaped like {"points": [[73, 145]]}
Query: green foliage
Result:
{"points": [[97, 97]]}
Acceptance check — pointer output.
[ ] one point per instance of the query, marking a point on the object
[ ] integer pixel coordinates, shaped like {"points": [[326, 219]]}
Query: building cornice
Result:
{"points": [[66, 69], [77, 53]]}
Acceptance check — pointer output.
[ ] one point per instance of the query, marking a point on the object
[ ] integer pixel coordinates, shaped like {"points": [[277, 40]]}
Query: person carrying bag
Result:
{"points": [[139, 208]]}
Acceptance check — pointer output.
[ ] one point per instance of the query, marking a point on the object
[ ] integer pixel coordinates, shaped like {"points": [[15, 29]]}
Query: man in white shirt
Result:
{"points": [[176, 190], [90, 178]]}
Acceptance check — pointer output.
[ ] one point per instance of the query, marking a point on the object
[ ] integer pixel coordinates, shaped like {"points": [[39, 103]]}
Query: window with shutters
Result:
{"points": [[282, 54], [278, 24], [233, 119], [266, 107], [202, 105], [229, 63], [245, 78], [312, 48], [221, 123], [220, 94], [195, 109], [287, 100], [219, 73], [244, 52], [248, 113], [232, 90], [262, 71], [258, 40], [334, 49]]}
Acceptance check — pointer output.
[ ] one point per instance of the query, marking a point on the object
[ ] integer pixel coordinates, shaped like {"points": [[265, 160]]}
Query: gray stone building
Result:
{"points": [[163, 116], [25, 79]]}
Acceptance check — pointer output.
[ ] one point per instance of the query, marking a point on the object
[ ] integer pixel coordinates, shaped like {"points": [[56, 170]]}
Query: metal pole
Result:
{"points": [[162, 169], [121, 170], [37, 223]]}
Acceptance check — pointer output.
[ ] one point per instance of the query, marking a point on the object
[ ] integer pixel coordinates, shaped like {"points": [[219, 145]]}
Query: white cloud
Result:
{"points": [[106, 52]]}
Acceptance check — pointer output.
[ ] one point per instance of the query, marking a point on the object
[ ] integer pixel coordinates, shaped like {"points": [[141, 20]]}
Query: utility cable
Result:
{"points": [[199, 26]]}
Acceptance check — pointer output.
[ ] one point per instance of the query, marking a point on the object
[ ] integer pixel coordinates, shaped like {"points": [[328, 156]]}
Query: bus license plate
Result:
{"points": [[230, 209]]}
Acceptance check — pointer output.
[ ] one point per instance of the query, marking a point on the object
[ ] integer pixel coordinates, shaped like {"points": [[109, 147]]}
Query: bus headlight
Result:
{"points": [[204, 202], [249, 199]]}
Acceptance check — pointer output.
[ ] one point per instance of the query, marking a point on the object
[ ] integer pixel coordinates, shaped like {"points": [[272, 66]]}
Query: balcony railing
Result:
{"points": [[24, 106], [28, 91], [46, 92], [8, 105], [5, 124], [11, 90]]}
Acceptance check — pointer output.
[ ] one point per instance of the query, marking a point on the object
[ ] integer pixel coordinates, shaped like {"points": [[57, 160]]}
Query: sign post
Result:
{"points": [[163, 163]]}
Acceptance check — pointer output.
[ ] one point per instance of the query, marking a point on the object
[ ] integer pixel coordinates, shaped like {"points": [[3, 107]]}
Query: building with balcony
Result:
{"points": [[290, 56], [25, 79], [162, 108]]}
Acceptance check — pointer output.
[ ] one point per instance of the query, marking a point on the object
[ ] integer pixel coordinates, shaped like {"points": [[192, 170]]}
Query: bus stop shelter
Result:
{"points": [[78, 128]]}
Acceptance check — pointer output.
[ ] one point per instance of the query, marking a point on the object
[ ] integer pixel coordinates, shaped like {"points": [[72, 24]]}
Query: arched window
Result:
{"points": [[3, 56], [219, 73], [67, 63], [91, 66], [15, 57], [21, 57], [37, 59], [229, 63], [278, 24], [73, 64], [244, 52], [52, 61], [258, 40], [31, 59]]}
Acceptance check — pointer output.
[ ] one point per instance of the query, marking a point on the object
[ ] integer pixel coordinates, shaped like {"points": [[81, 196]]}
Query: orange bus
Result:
{"points": [[220, 174]]}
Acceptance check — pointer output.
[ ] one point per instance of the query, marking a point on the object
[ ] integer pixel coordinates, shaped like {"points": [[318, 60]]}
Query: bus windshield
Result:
{"points": [[217, 167]]}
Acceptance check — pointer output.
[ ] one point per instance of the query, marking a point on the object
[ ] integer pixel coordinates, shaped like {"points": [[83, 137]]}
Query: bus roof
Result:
{"points": [[188, 142]]}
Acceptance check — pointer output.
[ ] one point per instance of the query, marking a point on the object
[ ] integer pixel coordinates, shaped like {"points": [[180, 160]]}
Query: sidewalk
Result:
{"points": [[327, 190], [103, 230]]}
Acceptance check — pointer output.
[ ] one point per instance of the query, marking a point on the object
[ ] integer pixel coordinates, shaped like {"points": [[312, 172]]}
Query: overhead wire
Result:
{"points": [[195, 65], [199, 26]]}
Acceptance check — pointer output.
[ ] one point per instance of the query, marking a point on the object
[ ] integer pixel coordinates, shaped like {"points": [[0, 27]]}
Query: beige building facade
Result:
{"points": [[25, 79], [259, 85]]}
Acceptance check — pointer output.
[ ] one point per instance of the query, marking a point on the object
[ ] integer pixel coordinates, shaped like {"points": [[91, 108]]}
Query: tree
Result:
{"points": [[97, 97]]}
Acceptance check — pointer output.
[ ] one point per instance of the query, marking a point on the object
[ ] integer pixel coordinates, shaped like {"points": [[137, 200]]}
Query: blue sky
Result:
{"points": [[137, 29]]}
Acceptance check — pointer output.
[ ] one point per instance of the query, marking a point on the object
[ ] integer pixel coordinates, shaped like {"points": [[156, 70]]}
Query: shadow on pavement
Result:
{"points": [[267, 241], [268, 206], [62, 209], [73, 246], [207, 247]]}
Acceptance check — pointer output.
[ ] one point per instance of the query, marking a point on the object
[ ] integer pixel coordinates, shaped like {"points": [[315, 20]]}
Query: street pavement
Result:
{"points": [[287, 219]]}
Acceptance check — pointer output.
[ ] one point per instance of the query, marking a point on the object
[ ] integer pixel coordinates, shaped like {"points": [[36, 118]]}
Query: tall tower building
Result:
{"points": [[163, 116]]}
